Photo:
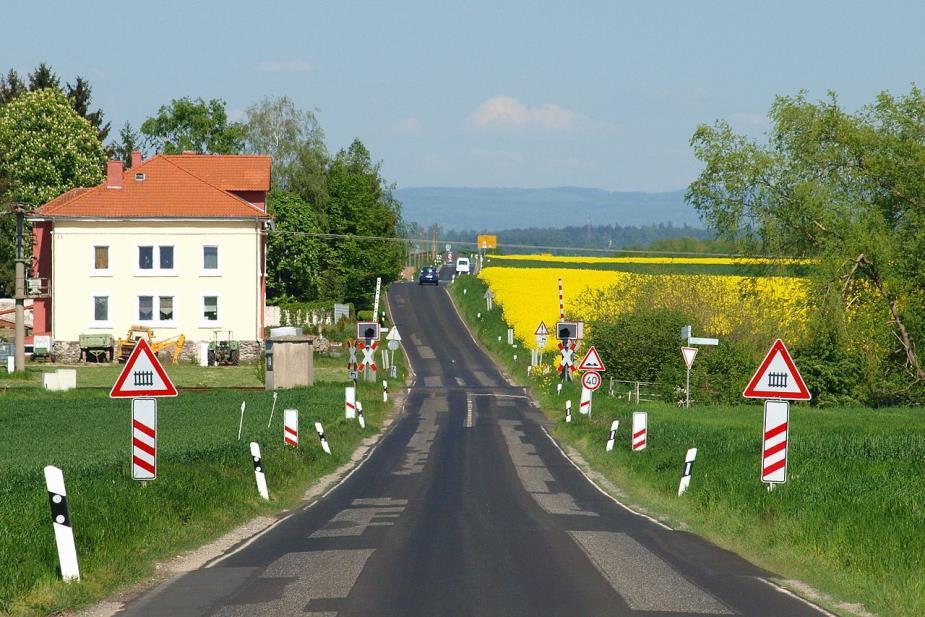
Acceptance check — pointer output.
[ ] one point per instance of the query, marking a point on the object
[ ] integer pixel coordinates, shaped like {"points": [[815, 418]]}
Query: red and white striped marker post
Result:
{"points": [[613, 434], [324, 442], [688, 469], [360, 415], [774, 444], [259, 472], [61, 522], [291, 427], [350, 402], [584, 405], [561, 302], [144, 439], [568, 410], [640, 430]]}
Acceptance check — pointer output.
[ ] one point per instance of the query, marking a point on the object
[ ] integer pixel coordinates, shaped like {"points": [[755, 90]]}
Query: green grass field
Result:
{"points": [[183, 375], [205, 483], [850, 520]]}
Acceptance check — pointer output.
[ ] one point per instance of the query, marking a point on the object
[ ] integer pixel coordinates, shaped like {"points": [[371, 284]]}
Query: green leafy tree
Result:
{"points": [[847, 189], [294, 259], [360, 203], [46, 148], [197, 126], [275, 126], [129, 141]]}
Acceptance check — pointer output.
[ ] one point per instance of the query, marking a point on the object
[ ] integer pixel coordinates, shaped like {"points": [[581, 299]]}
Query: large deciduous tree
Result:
{"points": [[294, 257], [846, 189], [275, 126], [193, 125]]}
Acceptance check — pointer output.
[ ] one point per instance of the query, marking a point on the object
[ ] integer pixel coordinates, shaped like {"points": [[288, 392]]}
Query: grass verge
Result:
{"points": [[850, 521], [205, 484]]}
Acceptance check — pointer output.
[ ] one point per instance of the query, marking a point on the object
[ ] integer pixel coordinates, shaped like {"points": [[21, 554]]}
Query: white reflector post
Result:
{"points": [[584, 406], [324, 442], [640, 430], [568, 410], [258, 471], [350, 402], [144, 438], [558, 389], [385, 390], [360, 416], [613, 434], [291, 427], [774, 444], [272, 409], [61, 521], [688, 468]]}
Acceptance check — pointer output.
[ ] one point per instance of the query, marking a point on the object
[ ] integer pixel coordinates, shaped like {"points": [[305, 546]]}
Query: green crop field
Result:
{"points": [[205, 483], [850, 520]]}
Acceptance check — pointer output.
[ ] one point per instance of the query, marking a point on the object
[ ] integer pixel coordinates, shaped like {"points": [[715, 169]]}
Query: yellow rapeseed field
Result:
{"points": [[700, 261], [720, 305]]}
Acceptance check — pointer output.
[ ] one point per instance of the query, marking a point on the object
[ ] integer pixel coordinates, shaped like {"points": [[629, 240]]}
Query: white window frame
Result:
{"points": [[203, 323], [155, 269], [217, 271], [97, 324], [94, 271], [155, 309], [137, 317]]}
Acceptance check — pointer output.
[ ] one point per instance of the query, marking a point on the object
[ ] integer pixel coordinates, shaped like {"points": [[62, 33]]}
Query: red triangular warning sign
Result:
{"points": [[592, 361], [689, 353], [777, 377], [541, 329], [143, 376]]}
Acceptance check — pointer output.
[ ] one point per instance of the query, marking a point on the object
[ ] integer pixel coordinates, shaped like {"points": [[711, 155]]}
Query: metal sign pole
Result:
{"points": [[687, 390]]}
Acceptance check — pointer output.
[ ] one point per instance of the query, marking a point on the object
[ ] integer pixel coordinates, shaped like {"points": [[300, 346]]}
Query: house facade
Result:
{"points": [[177, 244]]}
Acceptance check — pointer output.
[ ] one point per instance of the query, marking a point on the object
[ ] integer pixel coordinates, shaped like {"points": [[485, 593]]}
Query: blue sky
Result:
{"points": [[485, 93]]}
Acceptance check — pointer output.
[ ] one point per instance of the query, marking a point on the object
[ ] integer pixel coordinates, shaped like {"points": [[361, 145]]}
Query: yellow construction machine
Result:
{"points": [[125, 346]]}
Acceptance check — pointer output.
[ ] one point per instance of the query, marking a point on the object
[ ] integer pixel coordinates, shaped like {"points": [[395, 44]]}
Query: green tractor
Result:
{"points": [[223, 350]]}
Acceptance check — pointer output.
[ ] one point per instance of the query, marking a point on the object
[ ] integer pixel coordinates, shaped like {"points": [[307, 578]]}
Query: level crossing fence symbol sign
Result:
{"points": [[777, 377], [142, 376]]}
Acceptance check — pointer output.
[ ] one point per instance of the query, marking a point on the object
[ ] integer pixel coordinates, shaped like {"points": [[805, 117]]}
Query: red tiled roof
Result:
{"points": [[229, 172], [168, 191]]}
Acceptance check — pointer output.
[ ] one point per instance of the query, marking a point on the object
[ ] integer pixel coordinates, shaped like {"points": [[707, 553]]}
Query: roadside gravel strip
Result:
{"points": [[237, 539]]}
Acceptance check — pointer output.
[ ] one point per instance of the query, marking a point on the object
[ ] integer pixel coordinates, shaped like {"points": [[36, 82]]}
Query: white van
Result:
{"points": [[462, 265]]}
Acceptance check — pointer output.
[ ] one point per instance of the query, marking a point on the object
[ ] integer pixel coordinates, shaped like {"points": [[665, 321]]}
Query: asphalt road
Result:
{"points": [[466, 507]]}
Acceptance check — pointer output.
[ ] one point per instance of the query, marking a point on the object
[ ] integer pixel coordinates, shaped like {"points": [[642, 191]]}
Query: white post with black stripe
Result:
{"points": [[360, 415], [258, 471], [558, 389], [324, 442], [61, 521], [688, 468], [385, 389], [613, 434], [350, 402], [568, 410]]}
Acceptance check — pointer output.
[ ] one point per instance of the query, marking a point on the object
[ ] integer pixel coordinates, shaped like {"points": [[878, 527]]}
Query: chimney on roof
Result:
{"points": [[114, 174], [136, 158]]}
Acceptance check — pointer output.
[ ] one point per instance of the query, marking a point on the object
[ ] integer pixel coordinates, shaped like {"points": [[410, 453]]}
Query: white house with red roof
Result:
{"points": [[177, 243]]}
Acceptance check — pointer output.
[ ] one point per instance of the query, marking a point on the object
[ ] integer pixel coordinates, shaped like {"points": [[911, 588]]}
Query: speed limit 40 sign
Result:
{"points": [[591, 380]]}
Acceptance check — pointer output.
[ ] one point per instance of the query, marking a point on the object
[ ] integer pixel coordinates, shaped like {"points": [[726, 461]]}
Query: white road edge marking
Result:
{"points": [[599, 488], [786, 591]]}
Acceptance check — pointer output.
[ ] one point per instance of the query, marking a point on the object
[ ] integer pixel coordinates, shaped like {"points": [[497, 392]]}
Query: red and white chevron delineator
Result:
{"points": [[291, 427], [774, 442], [640, 430], [144, 439]]}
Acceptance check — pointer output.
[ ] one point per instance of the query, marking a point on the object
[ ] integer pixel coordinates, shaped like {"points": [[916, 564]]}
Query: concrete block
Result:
{"points": [[285, 331], [67, 379], [50, 381]]}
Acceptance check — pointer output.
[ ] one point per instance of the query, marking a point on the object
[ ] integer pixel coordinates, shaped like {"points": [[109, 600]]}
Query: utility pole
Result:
{"points": [[20, 293]]}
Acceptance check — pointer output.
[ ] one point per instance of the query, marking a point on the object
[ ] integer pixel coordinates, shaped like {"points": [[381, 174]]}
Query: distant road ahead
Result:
{"points": [[467, 508]]}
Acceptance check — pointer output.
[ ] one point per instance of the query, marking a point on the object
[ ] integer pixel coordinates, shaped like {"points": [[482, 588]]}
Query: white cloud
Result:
{"points": [[507, 111], [408, 126], [285, 66]]}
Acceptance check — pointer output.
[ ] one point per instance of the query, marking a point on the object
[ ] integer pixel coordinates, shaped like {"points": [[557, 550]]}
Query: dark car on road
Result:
{"points": [[429, 276]]}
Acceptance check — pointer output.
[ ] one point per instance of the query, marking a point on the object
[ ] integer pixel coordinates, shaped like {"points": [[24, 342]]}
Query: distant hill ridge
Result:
{"points": [[506, 208]]}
